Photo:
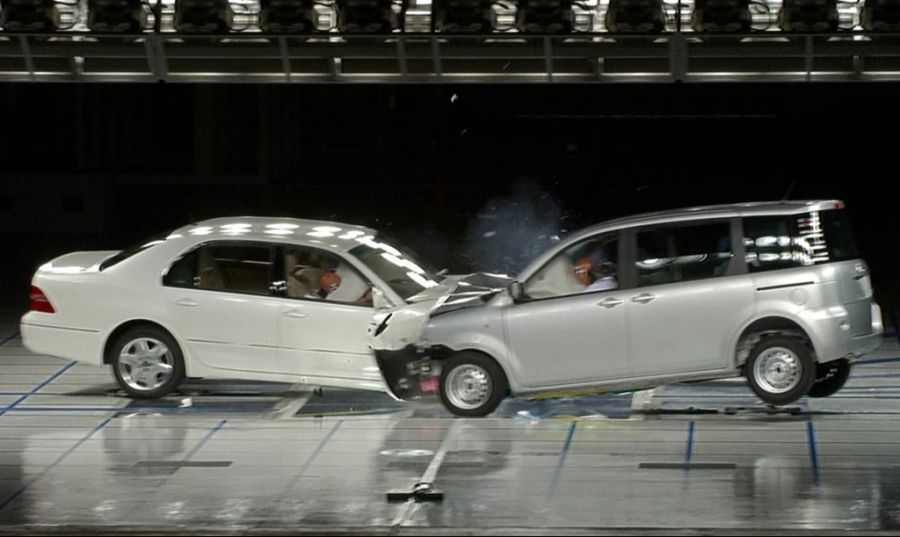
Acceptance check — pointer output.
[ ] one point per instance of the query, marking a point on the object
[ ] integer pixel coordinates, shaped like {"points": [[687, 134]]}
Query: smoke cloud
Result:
{"points": [[511, 231]]}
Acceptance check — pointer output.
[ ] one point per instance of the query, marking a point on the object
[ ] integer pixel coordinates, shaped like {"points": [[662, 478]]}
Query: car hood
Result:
{"points": [[458, 292], [398, 327]]}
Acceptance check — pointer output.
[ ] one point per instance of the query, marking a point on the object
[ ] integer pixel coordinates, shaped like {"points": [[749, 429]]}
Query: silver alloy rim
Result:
{"points": [[146, 363], [777, 370], [468, 386]]}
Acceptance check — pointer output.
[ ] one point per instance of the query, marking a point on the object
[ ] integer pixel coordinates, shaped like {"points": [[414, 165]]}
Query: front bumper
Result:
{"points": [[409, 373]]}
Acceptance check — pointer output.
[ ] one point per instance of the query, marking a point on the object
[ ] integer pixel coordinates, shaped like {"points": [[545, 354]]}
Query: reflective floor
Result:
{"points": [[75, 455]]}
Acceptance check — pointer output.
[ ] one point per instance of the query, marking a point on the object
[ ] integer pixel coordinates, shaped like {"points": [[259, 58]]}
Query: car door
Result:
{"points": [[219, 297], [571, 326], [323, 319], [689, 297]]}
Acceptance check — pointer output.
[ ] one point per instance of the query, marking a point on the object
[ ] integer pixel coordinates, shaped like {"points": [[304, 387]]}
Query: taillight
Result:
{"points": [[40, 302]]}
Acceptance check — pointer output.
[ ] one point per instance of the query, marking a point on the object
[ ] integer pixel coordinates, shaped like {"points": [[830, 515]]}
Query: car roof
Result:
{"points": [[756, 208], [336, 235]]}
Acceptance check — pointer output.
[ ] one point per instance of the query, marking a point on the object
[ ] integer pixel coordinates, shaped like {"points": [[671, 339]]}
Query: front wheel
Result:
{"points": [[830, 377], [781, 370], [472, 384], [147, 362]]}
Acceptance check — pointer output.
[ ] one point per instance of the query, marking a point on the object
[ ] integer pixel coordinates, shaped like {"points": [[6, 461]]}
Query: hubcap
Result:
{"points": [[146, 363], [777, 370], [468, 386]]}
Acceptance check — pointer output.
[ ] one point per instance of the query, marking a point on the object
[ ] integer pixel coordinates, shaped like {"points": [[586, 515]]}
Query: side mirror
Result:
{"points": [[379, 301], [516, 291]]}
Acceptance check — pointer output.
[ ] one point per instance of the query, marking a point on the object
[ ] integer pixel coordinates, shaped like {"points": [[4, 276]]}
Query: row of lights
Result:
{"points": [[462, 16]]}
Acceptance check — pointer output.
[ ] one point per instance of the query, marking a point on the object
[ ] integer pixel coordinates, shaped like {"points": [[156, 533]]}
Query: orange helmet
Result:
{"points": [[583, 270], [329, 281]]}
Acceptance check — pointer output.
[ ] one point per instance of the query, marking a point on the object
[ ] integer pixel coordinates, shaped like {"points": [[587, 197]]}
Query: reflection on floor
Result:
{"points": [[274, 458]]}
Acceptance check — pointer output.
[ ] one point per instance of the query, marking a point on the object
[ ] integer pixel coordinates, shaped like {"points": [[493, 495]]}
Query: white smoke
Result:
{"points": [[511, 231]]}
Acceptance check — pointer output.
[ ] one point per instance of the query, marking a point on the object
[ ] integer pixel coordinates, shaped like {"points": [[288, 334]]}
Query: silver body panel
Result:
{"points": [[638, 337]]}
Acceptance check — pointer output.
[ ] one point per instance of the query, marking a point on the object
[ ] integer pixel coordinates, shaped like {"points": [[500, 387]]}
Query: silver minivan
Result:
{"points": [[773, 291]]}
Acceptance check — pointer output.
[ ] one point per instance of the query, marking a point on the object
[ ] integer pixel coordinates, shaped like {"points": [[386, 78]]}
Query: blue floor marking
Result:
{"points": [[9, 338], [204, 440], [318, 449], [813, 454], [55, 463], [690, 443], [877, 360], [562, 458], [37, 388]]}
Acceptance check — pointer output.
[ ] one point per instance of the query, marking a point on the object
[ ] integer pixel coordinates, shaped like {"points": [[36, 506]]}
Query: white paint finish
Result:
{"points": [[78, 345], [227, 331], [225, 335], [321, 338]]}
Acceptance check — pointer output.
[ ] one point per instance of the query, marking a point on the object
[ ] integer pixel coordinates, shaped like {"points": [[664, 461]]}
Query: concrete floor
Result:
{"points": [[77, 457]]}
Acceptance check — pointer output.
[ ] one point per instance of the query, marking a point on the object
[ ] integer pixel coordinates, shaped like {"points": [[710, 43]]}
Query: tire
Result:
{"points": [[780, 370], [460, 393], [830, 377], [147, 362]]}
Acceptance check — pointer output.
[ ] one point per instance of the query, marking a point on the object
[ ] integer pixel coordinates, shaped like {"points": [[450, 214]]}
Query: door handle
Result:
{"points": [[644, 298], [610, 302], [295, 313], [187, 302]]}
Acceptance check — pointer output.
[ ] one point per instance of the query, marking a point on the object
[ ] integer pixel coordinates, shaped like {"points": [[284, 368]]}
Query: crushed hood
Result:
{"points": [[468, 291], [395, 328]]}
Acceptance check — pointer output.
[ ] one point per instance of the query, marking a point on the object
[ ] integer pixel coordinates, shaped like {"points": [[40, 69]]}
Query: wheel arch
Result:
{"points": [[133, 323], [766, 326]]}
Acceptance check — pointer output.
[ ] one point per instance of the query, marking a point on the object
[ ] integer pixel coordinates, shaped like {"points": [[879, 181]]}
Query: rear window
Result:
{"points": [[133, 249], [777, 242]]}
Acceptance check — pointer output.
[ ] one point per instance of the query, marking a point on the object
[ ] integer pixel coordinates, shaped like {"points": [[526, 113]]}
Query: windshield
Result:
{"points": [[134, 249], [395, 265]]}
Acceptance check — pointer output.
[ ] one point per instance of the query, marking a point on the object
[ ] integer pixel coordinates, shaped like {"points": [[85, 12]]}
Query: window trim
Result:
{"points": [[620, 233], [227, 242]]}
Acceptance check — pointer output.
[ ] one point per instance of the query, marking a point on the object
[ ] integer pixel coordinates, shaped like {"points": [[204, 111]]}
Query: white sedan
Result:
{"points": [[243, 298]]}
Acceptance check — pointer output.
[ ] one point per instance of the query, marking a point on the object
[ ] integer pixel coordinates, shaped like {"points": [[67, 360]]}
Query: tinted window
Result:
{"points": [[183, 273], [587, 267], [683, 253], [234, 267], [132, 250], [777, 242], [317, 275]]}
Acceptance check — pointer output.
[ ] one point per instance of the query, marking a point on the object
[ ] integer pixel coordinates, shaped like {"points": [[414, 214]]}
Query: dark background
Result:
{"points": [[439, 167]]}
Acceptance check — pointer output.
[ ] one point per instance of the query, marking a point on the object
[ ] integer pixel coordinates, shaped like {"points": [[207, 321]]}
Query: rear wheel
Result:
{"points": [[147, 362], [472, 384], [830, 377], [781, 370]]}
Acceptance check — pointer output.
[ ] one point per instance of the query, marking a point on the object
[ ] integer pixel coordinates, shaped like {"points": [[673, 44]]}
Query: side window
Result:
{"points": [[683, 253], [317, 275], [586, 267], [770, 242], [780, 242], [183, 273], [224, 267]]}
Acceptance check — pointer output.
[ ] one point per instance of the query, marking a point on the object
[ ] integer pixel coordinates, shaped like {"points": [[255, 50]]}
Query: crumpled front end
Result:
{"points": [[411, 366]]}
